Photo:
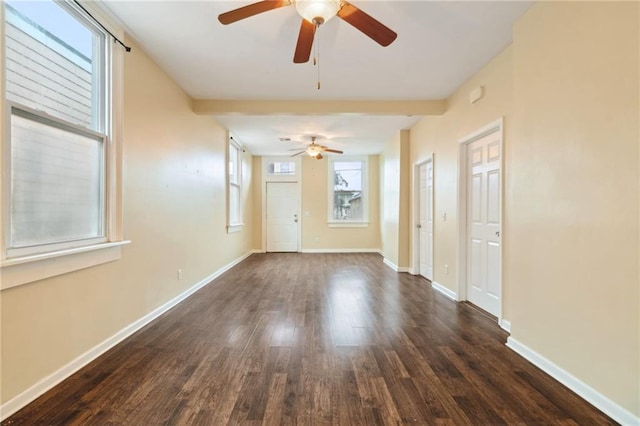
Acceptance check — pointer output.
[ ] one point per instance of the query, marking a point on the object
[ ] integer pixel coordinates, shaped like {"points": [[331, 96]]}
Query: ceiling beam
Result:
{"points": [[292, 107]]}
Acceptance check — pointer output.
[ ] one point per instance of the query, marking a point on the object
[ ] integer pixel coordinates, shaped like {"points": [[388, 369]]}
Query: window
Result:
{"points": [[234, 199], [55, 62], [348, 192], [57, 185], [282, 168], [60, 186]]}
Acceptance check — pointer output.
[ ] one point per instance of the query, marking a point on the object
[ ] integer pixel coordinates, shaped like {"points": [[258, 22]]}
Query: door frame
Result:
{"points": [[297, 179], [415, 217], [495, 126]]}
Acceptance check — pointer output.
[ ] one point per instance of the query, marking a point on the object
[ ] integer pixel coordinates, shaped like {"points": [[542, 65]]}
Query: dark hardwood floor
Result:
{"points": [[313, 339]]}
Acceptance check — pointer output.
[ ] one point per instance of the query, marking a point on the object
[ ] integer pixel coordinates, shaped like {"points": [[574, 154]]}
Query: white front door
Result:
{"points": [[425, 223], [483, 223], [282, 216]]}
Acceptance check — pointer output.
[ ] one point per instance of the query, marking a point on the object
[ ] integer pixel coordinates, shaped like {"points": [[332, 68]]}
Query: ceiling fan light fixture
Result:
{"points": [[317, 11], [313, 151]]}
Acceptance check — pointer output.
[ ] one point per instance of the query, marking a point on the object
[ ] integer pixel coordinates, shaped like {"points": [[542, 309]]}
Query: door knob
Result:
{"points": [[419, 226], [497, 233]]}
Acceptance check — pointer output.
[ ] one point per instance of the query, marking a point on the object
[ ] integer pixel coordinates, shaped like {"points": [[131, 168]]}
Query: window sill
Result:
{"points": [[27, 269], [348, 224], [234, 228]]}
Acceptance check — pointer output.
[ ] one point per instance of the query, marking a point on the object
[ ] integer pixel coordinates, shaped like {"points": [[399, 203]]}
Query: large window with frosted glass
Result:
{"points": [[57, 146]]}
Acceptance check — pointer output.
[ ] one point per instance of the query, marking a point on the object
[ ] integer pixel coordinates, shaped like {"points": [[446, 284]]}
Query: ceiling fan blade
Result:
{"points": [[380, 33], [305, 42], [298, 153], [337, 151], [251, 10]]}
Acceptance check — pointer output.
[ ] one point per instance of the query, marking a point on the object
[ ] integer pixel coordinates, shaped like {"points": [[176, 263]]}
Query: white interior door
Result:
{"points": [[484, 223], [282, 216], [425, 223]]}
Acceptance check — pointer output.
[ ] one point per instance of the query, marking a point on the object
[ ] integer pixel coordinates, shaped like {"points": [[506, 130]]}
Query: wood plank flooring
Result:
{"points": [[313, 339]]}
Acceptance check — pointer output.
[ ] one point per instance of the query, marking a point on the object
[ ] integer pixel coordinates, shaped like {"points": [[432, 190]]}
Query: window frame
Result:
{"points": [[101, 67], [280, 175], [42, 117], [234, 224], [23, 267], [364, 222]]}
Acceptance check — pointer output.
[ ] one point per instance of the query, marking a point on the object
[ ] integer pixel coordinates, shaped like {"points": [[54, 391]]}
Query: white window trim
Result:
{"points": [[282, 176], [331, 223], [29, 268], [266, 177], [348, 224], [233, 227]]}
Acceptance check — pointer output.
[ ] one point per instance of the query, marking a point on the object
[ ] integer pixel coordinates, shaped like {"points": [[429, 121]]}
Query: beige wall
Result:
{"points": [[568, 90], [390, 199], [394, 200], [256, 187], [571, 261], [404, 225], [316, 234], [440, 135], [174, 214]]}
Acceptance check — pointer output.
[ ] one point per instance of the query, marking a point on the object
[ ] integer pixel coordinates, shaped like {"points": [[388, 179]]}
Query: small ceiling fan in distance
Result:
{"points": [[314, 14], [315, 150]]}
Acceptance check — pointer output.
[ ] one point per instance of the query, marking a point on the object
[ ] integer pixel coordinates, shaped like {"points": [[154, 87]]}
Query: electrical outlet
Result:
{"points": [[179, 274]]}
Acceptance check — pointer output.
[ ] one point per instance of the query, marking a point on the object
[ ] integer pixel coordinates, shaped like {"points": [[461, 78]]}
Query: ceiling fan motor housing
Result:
{"points": [[317, 11]]}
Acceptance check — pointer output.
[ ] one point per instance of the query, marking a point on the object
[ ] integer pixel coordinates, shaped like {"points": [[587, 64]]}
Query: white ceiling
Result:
{"points": [[356, 135], [440, 44]]}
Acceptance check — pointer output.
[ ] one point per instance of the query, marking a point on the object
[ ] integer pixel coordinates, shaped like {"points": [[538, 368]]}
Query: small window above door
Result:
{"points": [[281, 168]]}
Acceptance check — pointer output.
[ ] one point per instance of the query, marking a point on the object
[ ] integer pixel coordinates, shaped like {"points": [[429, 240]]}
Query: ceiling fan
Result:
{"points": [[314, 14], [315, 150]]}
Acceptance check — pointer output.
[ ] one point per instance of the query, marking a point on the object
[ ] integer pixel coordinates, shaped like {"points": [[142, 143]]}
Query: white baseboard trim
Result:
{"points": [[598, 400], [29, 395], [390, 264], [356, 250], [505, 325], [395, 267], [444, 290]]}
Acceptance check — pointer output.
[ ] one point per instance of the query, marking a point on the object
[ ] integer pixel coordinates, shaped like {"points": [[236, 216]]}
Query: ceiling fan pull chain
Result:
{"points": [[315, 44]]}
